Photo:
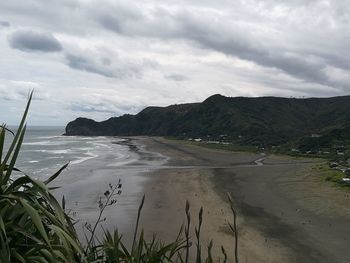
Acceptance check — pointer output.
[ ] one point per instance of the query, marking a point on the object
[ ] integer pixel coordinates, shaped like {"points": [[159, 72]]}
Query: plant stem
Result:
{"points": [[187, 230], [99, 218], [137, 222], [234, 229]]}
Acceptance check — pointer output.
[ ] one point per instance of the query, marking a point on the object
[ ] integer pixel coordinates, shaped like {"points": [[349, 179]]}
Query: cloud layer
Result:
{"points": [[4, 24], [29, 41], [127, 55]]}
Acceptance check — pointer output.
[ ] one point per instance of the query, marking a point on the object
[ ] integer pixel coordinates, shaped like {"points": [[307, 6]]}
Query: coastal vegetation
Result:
{"points": [[330, 174], [36, 227]]}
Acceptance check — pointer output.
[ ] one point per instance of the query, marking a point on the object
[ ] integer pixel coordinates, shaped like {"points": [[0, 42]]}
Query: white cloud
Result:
{"points": [[19, 90]]}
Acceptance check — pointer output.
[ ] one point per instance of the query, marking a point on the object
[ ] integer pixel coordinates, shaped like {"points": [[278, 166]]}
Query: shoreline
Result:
{"points": [[279, 217]]}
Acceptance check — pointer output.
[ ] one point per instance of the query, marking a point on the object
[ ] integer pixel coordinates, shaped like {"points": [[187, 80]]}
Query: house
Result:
{"points": [[333, 164], [214, 142], [315, 135], [345, 180]]}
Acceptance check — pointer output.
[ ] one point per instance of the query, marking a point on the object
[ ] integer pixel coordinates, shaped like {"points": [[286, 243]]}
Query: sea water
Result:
{"points": [[94, 164]]}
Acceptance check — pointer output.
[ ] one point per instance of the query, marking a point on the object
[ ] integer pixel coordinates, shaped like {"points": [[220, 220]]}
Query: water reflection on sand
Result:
{"points": [[83, 184]]}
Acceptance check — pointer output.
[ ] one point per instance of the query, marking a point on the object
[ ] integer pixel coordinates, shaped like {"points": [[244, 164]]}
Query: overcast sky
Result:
{"points": [[100, 59]]}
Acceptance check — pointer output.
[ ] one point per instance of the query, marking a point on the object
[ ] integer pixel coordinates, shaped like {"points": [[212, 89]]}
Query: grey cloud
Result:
{"points": [[212, 30], [91, 108], [221, 34], [177, 77], [103, 66], [131, 20], [13, 95], [104, 104], [292, 64], [4, 24], [19, 90], [31, 41], [85, 64], [109, 22], [114, 16], [106, 61]]}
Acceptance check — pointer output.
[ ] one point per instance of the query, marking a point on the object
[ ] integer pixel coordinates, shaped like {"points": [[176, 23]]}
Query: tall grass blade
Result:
{"points": [[19, 257], [224, 253], [137, 223], [14, 142], [3, 126], [198, 233], [68, 238], [234, 227], [210, 258], [63, 203], [2, 140], [36, 219], [14, 157], [187, 230], [54, 176]]}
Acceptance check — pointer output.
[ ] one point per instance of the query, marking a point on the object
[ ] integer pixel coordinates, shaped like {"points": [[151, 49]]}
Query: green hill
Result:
{"points": [[252, 121]]}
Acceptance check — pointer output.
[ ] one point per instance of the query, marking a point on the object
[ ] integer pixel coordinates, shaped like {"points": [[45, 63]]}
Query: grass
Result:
{"points": [[322, 170], [331, 175], [279, 151], [35, 227]]}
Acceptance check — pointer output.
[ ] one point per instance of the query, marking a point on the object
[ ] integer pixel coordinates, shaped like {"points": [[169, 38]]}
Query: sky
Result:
{"points": [[100, 59]]}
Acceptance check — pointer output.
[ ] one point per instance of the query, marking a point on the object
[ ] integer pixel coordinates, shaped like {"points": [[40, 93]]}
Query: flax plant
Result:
{"points": [[33, 225]]}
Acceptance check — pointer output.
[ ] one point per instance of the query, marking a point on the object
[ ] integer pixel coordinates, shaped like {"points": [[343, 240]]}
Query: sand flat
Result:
{"points": [[284, 215]]}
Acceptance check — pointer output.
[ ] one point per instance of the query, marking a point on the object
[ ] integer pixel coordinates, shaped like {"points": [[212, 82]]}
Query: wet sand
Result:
{"points": [[83, 185], [285, 213]]}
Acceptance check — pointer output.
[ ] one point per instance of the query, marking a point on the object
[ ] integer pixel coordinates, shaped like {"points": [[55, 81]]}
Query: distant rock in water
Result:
{"points": [[255, 121]]}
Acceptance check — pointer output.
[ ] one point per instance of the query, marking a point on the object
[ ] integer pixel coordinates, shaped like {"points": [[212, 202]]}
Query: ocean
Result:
{"points": [[94, 163]]}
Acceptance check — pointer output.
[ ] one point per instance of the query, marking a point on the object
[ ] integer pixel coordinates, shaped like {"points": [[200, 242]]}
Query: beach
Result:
{"points": [[285, 213]]}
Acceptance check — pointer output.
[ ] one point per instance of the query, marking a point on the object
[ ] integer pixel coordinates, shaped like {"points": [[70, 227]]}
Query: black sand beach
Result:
{"points": [[286, 213]]}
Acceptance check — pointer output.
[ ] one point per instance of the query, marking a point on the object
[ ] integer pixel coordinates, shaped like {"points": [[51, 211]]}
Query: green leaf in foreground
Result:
{"points": [[34, 215]]}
